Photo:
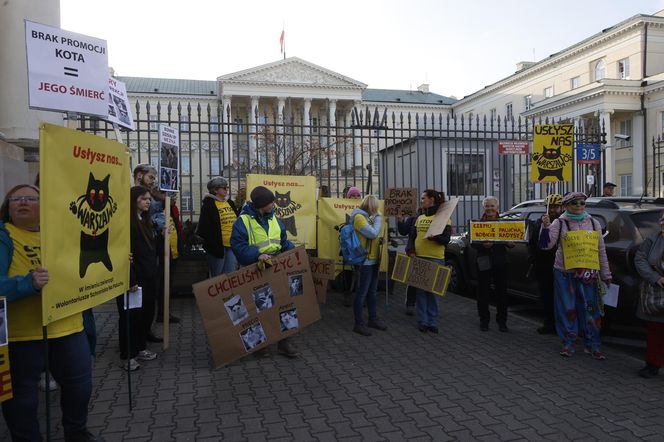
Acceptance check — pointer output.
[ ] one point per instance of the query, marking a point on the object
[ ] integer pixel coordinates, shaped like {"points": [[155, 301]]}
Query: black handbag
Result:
{"points": [[651, 298]]}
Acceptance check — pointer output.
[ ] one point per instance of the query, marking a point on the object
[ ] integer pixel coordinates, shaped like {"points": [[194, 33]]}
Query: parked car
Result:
{"points": [[625, 222]]}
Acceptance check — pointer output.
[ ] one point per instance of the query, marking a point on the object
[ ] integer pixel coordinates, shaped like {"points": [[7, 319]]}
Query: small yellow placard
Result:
{"points": [[581, 249], [5, 376], [498, 231], [421, 273]]}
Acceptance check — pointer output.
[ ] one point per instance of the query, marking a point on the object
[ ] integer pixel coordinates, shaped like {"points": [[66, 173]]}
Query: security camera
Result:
{"points": [[622, 137]]}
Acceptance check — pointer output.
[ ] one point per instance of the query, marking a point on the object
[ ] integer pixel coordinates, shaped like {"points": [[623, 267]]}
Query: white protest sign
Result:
{"points": [[119, 111], [169, 142], [66, 71]]}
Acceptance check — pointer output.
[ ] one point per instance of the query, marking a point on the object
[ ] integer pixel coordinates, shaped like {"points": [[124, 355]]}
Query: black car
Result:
{"points": [[625, 222]]}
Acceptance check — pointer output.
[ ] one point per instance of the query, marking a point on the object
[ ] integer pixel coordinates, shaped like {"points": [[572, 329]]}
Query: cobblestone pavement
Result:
{"points": [[397, 385]]}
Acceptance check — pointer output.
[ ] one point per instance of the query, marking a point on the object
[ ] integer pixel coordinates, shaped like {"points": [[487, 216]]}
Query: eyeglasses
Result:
{"points": [[23, 199], [577, 203]]}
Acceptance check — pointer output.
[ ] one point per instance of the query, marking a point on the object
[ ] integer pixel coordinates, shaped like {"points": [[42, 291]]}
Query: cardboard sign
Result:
{"points": [[421, 273], [513, 147], [552, 153], [5, 374], [66, 71], [498, 231], [581, 249], [322, 270], [84, 220], [119, 111], [401, 201], [247, 310], [441, 218], [169, 144], [295, 204]]}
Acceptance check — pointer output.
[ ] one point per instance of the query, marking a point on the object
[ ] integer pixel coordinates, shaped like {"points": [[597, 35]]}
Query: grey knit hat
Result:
{"points": [[216, 183], [261, 197]]}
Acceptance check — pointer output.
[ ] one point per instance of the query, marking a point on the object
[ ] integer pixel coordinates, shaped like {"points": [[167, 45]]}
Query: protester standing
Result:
{"points": [[404, 225], [21, 279], [576, 290]]}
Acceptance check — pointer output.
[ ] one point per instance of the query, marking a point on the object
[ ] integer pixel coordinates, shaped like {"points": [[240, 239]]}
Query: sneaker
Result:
{"points": [[133, 364], [81, 436], [423, 328], [287, 348], [566, 352], [410, 310], [52, 385], [503, 327], [649, 371], [361, 329], [377, 324], [146, 355], [600, 356], [433, 329]]}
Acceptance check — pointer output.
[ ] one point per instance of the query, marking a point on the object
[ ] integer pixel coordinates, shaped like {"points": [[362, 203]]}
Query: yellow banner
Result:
{"points": [[332, 213], [581, 249], [493, 231], [421, 273], [5, 374], [295, 204], [84, 182], [552, 153]]}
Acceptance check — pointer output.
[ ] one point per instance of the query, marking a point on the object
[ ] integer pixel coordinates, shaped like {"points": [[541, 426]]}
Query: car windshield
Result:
{"points": [[646, 222]]}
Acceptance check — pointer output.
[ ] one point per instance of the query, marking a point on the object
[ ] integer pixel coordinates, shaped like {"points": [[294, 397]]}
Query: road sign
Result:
{"points": [[587, 153], [66, 71]]}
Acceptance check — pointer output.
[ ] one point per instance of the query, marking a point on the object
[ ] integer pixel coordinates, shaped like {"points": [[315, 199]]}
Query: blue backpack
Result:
{"points": [[349, 245]]}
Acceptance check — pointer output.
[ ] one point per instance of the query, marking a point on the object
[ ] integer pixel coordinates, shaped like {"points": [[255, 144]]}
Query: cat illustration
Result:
{"points": [[285, 211], [94, 210], [549, 153]]}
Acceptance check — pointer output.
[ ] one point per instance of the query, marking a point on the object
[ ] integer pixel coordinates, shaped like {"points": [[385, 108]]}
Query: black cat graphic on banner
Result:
{"points": [[294, 204], [552, 153]]}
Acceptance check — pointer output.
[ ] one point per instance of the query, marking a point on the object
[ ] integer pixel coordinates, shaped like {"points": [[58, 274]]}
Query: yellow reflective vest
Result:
{"points": [[267, 242]]}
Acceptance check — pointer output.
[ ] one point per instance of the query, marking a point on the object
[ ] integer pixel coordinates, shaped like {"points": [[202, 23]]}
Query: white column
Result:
{"points": [[609, 152], [332, 139], [253, 151], [306, 135], [230, 128], [305, 116], [281, 140], [638, 148]]}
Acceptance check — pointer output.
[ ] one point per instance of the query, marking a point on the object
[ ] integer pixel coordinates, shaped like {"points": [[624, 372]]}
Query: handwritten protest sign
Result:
{"points": [[581, 249], [322, 270], [401, 201], [552, 153], [421, 273], [5, 376], [442, 217], [498, 231], [247, 310]]}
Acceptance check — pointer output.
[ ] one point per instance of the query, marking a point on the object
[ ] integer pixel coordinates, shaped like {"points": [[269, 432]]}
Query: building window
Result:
{"points": [[508, 111], [239, 127], [623, 69], [185, 165], [548, 92], [314, 125], [214, 165], [662, 122], [528, 102], [493, 114], [625, 128], [465, 174], [214, 124], [574, 82], [626, 185], [154, 125], [185, 202], [600, 70], [184, 123]]}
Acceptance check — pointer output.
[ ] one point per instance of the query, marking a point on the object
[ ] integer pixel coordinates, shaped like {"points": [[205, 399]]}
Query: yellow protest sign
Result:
{"points": [[552, 153], [421, 273], [295, 204], [581, 249], [84, 217], [5, 374], [332, 214], [498, 231]]}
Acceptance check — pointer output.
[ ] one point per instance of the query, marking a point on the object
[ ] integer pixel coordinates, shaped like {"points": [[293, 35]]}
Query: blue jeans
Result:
{"points": [[71, 367], [427, 303], [227, 264], [366, 290]]}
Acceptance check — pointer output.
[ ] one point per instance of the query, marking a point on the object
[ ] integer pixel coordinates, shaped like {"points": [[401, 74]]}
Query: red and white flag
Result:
{"points": [[281, 41]]}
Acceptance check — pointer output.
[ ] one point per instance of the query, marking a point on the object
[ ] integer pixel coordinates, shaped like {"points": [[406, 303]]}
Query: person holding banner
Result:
{"points": [[215, 225], [367, 223], [145, 175], [576, 273], [429, 248], [21, 281], [492, 265], [257, 236]]}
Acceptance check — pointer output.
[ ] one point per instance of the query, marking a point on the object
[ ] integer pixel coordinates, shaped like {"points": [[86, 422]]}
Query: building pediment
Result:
{"points": [[292, 72]]}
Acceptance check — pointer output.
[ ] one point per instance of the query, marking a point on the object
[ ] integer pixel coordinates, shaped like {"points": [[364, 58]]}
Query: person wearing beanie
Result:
{"points": [[218, 213], [354, 193], [257, 236]]}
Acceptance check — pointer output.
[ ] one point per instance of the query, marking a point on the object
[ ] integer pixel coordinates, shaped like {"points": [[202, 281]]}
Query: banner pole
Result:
{"points": [[167, 271], [47, 378]]}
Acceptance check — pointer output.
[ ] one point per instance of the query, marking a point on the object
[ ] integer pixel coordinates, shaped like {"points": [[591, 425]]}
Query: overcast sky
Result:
{"points": [[457, 47]]}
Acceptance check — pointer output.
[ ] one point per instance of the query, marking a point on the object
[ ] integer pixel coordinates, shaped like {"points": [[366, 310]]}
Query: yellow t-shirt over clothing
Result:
{"points": [[425, 248], [24, 316], [227, 218], [371, 245]]}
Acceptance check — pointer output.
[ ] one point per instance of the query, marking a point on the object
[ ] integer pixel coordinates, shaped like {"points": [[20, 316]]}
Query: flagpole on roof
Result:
{"points": [[283, 39]]}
